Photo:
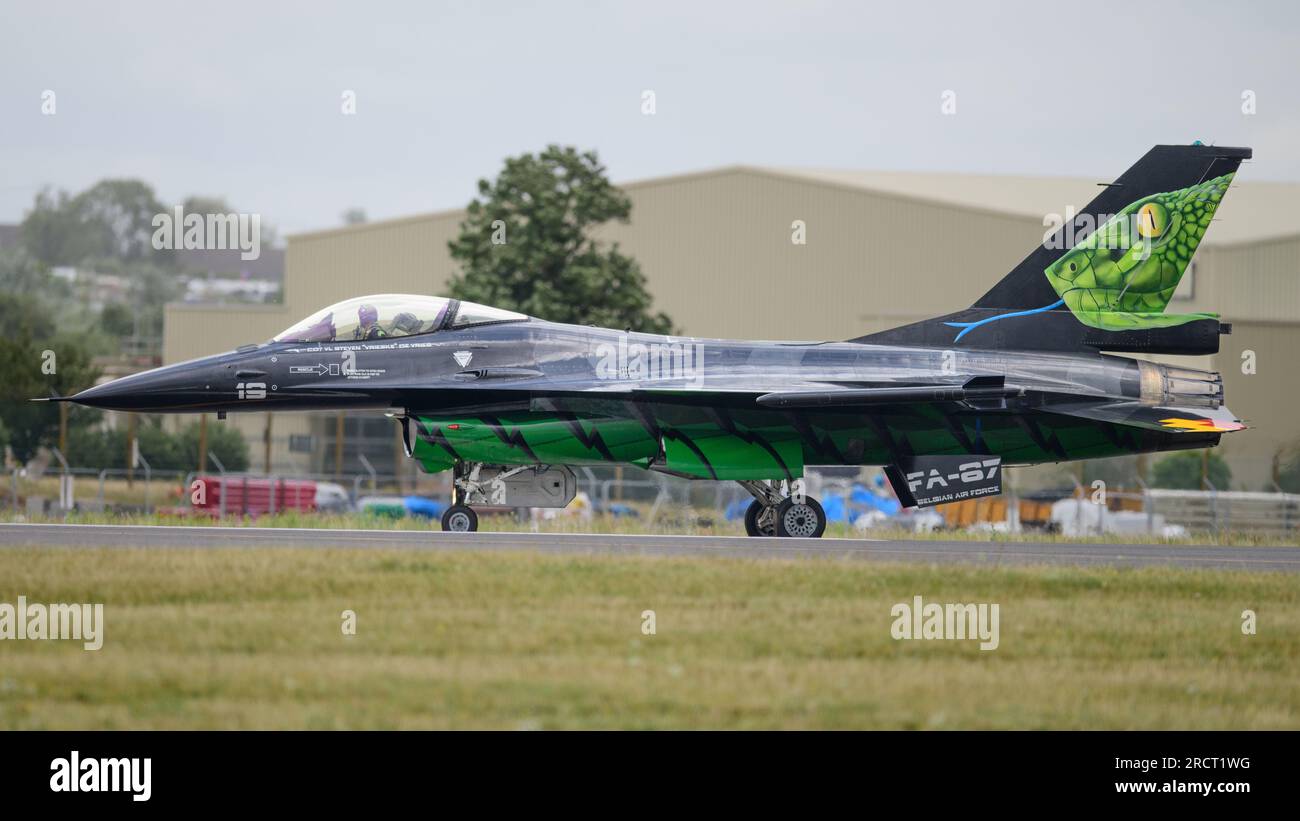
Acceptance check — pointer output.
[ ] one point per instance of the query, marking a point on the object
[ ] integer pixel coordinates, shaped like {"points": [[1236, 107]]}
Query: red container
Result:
{"points": [[246, 495]]}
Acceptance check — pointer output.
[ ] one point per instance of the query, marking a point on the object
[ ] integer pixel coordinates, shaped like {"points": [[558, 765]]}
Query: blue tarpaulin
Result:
{"points": [[861, 500], [423, 506]]}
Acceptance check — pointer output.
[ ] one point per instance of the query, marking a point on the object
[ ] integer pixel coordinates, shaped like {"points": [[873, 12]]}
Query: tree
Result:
{"points": [[46, 350], [55, 233], [94, 448], [21, 273], [112, 218], [527, 244], [36, 361], [207, 206], [1182, 471], [199, 204], [225, 441], [1288, 468], [122, 211], [117, 319]]}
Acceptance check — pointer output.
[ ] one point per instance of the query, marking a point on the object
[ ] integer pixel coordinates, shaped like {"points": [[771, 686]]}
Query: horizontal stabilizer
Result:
{"points": [[1169, 420]]}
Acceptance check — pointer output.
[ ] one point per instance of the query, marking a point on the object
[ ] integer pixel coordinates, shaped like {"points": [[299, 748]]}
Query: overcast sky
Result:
{"points": [[243, 100]]}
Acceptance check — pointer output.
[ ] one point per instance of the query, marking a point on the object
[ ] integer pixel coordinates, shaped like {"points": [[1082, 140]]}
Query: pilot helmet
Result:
{"points": [[368, 314], [406, 322]]}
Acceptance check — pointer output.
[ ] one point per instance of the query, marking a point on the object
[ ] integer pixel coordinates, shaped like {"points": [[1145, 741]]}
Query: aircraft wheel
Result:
{"points": [[760, 519], [804, 519], [459, 519]]}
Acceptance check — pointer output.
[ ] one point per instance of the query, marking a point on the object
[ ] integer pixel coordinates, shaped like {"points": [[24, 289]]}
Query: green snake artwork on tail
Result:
{"points": [[1123, 275]]}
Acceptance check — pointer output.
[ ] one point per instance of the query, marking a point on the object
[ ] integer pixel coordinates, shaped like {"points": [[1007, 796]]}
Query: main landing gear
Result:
{"points": [[773, 513]]}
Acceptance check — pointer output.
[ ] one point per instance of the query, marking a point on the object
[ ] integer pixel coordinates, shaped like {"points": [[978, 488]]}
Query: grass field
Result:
{"points": [[248, 638]]}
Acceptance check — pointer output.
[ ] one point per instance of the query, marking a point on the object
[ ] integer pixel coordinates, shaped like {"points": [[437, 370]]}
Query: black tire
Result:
{"points": [[752, 527], [805, 520], [459, 519]]}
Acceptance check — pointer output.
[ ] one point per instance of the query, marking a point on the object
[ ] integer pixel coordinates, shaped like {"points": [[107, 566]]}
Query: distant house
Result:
{"points": [[269, 265], [226, 289], [227, 263]]}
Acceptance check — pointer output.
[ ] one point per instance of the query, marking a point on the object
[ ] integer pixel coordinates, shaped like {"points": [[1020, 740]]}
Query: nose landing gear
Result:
{"points": [[502, 486], [465, 486], [460, 519]]}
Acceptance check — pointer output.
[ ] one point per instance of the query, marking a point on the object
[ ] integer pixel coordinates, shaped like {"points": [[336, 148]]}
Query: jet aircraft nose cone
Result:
{"points": [[171, 387], [108, 396]]}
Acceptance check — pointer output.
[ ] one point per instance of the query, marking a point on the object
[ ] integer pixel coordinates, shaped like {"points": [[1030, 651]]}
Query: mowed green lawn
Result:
{"points": [[251, 638]]}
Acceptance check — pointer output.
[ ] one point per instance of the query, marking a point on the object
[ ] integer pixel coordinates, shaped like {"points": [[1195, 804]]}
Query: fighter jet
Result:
{"points": [[1028, 374]]}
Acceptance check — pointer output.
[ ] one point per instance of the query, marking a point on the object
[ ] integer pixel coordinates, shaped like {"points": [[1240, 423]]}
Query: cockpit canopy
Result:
{"points": [[383, 316]]}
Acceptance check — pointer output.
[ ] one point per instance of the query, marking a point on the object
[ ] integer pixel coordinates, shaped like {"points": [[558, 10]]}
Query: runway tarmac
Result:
{"points": [[1285, 559]]}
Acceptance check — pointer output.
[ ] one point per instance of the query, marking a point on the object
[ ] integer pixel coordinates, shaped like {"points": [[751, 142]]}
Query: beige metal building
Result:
{"points": [[881, 249]]}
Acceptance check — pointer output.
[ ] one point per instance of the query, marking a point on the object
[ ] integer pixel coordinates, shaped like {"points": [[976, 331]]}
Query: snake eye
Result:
{"points": [[1072, 267], [1152, 220]]}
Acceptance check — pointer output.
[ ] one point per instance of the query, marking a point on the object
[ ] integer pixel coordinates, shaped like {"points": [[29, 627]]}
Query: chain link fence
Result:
{"points": [[860, 498]]}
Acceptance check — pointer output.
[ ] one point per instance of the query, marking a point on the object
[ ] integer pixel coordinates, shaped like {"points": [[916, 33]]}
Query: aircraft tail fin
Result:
{"points": [[1103, 280]]}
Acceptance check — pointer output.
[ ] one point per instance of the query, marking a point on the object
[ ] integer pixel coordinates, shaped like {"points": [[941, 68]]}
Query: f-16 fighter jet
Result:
{"points": [[1028, 374]]}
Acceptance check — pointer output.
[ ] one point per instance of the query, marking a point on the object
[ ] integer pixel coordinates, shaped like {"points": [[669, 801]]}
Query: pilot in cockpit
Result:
{"points": [[369, 324], [405, 324]]}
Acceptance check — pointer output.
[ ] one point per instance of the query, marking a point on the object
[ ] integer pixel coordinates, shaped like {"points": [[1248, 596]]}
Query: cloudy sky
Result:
{"points": [[244, 100]]}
